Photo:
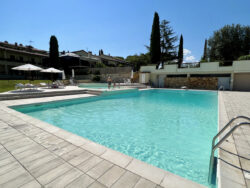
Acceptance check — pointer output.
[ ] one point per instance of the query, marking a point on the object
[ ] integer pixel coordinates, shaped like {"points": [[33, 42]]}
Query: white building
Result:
{"points": [[235, 77]]}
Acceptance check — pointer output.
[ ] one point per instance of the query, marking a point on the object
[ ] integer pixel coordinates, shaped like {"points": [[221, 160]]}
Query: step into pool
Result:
{"points": [[170, 129]]}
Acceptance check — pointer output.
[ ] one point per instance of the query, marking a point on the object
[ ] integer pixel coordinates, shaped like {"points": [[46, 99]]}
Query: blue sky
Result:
{"points": [[118, 27]]}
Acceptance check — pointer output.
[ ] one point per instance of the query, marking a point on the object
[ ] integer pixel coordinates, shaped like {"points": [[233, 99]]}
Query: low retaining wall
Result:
{"points": [[210, 83]]}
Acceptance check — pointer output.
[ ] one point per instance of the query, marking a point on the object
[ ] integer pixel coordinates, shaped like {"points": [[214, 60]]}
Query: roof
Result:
{"points": [[22, 49], [24, 52]]}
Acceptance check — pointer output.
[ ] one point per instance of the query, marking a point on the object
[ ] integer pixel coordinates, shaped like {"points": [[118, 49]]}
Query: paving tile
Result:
{"points": [[54, 173], [65, 149], [24, 148], [34, 156], [80, 158], [147, 171], [36, 163], [143, 183], [94, 148], [111, 176], [77, 140], [65, 179], [6, 161], [70, 155], [5, 155], [11, 175], [96, 185], [8, 167], [99, 169], [117, 158], [174, 181], [30, 151], [46, 167], [89, 163], [18, 181], [128, 180], [228, 171], [245, 164], [82, 181], [31, 184]]}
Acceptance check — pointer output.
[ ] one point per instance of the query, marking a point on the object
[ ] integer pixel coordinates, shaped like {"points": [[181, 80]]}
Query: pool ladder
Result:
{"points": [[215, 146]]}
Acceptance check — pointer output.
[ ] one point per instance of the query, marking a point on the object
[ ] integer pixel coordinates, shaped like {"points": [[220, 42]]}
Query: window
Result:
{"points": [[21, 58], [12, 57], [32, 60]]}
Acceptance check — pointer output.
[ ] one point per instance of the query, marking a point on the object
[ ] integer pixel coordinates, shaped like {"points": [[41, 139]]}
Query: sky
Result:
{"points": [[120, 28]]}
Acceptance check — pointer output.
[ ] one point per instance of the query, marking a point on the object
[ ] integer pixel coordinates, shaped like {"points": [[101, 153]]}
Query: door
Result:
{"points": [[241, 82], [224, 82]]}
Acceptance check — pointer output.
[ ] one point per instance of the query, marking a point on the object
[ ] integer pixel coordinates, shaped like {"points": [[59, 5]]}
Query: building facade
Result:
{"points": [[12, 55], [207, 75]]}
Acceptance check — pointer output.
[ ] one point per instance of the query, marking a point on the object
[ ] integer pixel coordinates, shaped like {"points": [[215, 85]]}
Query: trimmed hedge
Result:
{"points": [[244, 57]]}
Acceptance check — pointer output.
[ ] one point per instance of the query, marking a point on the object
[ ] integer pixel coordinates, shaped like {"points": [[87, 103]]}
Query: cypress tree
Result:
{"points": [[204, 58], [53, 52], [155, 47], [180, 52]]}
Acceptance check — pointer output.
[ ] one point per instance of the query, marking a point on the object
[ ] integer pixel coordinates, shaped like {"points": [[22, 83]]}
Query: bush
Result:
{"points": [[97, 72], [244, 57], [96, 78], [100, 65]]}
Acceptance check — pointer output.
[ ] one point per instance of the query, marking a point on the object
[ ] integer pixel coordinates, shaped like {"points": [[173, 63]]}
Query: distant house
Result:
{"points": [[107, 60], [12, 55]]}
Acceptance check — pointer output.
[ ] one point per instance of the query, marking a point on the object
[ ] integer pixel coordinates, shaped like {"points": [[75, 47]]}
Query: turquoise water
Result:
{"points": [[169, 129], [94, 85]]}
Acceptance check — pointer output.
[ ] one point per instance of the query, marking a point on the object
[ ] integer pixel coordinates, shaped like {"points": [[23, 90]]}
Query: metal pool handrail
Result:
{"points": [[226, 126], [214, 147]]}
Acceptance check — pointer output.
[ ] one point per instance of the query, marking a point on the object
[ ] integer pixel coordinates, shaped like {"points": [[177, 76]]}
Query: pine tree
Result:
{"points": [[155, 47], [53, 52], [168, 39], [180, 52], [204, 57]]}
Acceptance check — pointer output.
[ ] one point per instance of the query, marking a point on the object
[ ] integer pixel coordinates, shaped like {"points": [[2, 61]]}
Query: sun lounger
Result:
{"points": [[19, 86]]}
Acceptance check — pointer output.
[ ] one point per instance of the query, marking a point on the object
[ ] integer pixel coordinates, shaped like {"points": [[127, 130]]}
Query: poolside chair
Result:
{"points": [[43, 84], [19, 86], [60, 84], [30, 86]]}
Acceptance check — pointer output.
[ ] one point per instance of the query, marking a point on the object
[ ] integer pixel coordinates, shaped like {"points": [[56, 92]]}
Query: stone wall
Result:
{"points": [[210, 83]]}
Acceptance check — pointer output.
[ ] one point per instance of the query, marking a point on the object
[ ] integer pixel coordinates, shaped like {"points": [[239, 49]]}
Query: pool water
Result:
{"points": [[94, 85], [170, 129]]}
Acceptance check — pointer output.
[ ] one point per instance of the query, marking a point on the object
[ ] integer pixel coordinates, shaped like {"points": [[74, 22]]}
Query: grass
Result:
{"points": [[7, 85]]}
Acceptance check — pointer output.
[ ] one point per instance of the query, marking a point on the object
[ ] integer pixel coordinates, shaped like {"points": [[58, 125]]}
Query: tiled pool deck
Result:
{"points": [[36, 154]]}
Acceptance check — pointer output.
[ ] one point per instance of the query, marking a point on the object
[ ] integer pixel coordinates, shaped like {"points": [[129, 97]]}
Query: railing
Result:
{"points": [[214, 147]]}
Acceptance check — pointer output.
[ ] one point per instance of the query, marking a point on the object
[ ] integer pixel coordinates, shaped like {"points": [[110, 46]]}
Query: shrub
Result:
{"points": [[244, 57], [97, 72], [96, 78]]}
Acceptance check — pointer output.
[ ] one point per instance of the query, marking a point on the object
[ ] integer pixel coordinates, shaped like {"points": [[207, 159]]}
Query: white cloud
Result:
{"points": [[186, 52], [188, 57]]}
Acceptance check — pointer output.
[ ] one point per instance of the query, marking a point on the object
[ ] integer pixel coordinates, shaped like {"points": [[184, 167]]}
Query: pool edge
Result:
{"points": [[159, 176]]}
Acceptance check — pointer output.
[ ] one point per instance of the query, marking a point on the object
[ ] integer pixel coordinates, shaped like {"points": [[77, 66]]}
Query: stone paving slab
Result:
{"points": [[234, 153], [42, 155]]}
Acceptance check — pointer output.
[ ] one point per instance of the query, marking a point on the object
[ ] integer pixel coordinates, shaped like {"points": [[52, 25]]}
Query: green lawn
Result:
{"points": [[7, 85]]}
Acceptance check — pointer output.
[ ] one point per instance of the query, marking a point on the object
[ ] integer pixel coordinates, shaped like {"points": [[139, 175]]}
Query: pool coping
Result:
{"points": [[145, 170]]}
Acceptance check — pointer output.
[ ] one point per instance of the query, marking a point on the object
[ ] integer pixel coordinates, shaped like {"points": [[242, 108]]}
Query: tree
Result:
{"points": [[204, 57], [229, 43], [53, 52], [180, 52], [168, 39], [138, 60], [155, 47]]}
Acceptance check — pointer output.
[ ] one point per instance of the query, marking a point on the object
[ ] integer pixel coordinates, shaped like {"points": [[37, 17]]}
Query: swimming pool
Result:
{"points": [[94, 85], [170, 129]]}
